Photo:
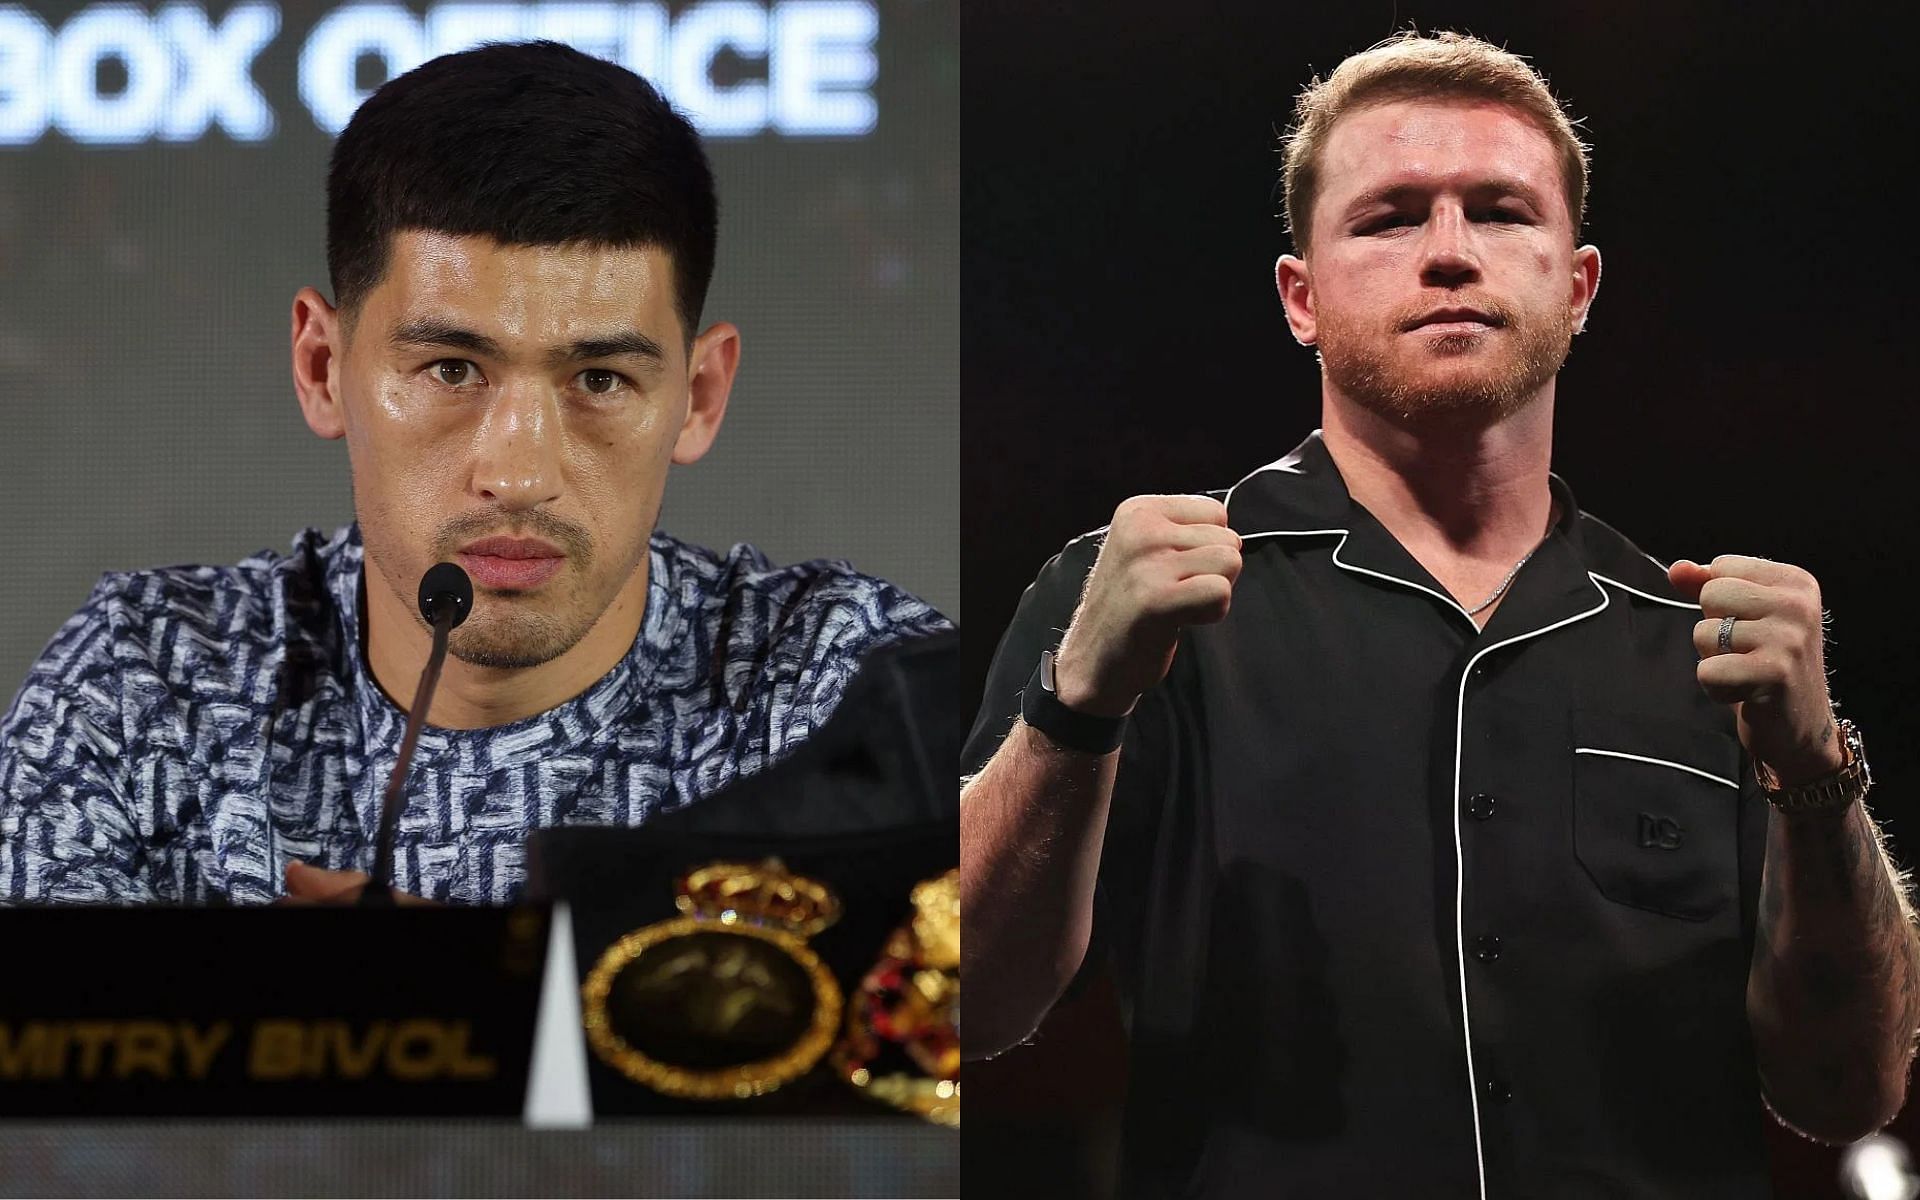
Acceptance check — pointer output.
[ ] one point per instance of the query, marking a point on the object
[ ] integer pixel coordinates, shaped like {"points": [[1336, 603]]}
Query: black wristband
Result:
{"points": [[1065, 728]]}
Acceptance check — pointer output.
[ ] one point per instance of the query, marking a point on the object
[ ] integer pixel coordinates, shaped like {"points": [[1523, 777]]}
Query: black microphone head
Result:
{"points": [[445, 588]]}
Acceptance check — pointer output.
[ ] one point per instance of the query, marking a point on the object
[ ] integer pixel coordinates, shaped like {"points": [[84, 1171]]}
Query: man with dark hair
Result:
{"points": [[1442, 843], [520, 239]]}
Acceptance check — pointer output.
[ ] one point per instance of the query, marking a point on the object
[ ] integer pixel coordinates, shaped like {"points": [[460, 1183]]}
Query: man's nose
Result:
{"points": [[516, 461], [1449, 257]]}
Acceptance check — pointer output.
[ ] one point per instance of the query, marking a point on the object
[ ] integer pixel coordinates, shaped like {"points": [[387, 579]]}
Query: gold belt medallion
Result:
{"points": [[726, 1001], [902, 1044]]}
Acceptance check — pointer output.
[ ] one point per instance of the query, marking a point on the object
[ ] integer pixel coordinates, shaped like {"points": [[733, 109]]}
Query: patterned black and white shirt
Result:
{"points": [[192, 730]]}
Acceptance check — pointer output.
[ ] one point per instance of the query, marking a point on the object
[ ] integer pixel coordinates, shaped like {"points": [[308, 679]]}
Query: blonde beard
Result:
{"points": [[1376, 382]]}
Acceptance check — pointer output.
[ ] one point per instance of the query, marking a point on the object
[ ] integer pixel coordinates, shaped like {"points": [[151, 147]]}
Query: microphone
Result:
{"points": [[446, 596]]}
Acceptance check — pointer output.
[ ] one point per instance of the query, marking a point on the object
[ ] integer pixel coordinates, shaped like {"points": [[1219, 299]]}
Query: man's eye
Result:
{"points": [[1507, 216], [455, 372], [599, 382], [1390, 221]]}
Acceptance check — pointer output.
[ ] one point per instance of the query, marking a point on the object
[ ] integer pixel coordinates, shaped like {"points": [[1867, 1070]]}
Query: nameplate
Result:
{"points": [[268, 1012]]}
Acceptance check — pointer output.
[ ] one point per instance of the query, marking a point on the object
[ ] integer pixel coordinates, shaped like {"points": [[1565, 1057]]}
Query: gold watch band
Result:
{"points": [[1837, 790]]}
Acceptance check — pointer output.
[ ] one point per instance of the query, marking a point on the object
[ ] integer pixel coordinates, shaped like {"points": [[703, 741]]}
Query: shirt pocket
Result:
{"points": [[1656, 813]]}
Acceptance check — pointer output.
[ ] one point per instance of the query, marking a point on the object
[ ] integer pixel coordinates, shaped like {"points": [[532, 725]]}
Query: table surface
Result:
{"points": [[427, 1157]]}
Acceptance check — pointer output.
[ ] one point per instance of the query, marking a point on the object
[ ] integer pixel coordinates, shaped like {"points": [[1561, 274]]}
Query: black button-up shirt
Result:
{"points": [[1400, 906]]}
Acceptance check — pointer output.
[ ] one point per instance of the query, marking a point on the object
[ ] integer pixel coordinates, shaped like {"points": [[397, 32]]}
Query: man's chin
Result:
{"points": [[1470, 388], [1444, 395], [516, 645], [1445, 379], [1447, 412]]}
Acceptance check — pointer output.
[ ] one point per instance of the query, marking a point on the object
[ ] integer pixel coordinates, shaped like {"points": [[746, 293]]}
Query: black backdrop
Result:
{"points": [[1742, 386]]}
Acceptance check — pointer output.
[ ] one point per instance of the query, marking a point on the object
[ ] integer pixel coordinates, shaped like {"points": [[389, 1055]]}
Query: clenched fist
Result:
{"points": [[1774, 671], [1168, 562]]}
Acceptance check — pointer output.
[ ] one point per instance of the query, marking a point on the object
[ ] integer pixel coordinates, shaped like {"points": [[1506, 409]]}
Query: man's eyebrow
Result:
{"points": [[1389, 194], [615, 345], [1397, 193], [432, 331]]}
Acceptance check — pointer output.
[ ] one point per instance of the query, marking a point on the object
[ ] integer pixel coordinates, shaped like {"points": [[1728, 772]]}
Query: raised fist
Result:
{"points": [[1168, 562], [1772, 665]]}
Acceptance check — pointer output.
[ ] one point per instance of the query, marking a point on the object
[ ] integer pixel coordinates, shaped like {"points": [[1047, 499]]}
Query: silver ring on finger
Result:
{"points": [[1726, 635]]}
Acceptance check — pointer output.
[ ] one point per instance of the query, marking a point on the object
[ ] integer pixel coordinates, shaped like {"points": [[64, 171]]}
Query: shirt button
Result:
{"points": [[1498, 1091], [1486, 947], [1480, 806]]}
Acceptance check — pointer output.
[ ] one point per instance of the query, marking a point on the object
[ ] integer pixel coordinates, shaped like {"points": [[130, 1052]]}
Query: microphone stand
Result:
{"points": [[445, 615]]}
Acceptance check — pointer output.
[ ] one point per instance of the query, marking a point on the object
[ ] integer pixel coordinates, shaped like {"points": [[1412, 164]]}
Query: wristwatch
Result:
{"points": [[1837, 790], [1041, 709]]}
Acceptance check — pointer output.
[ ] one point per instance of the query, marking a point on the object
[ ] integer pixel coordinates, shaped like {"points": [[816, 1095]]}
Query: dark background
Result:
{"points": [[1741, 388]]}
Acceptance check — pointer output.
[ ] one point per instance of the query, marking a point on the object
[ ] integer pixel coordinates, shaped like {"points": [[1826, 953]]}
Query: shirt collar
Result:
{"points": [[1303, 495]]}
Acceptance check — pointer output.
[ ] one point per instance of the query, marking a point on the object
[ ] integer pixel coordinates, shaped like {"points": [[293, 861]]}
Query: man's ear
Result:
{"points": [[1295, 284], [710, 367], [317, 344], [1586, 284]]}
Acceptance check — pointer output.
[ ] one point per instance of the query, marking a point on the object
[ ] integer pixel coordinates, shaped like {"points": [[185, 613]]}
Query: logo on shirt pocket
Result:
{"points": [[1656, 814], [1664, 833]]}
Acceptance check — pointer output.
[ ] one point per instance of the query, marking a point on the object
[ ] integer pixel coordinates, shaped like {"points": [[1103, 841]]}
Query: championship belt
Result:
{"points": [[902, 1044], [727, 1001]]}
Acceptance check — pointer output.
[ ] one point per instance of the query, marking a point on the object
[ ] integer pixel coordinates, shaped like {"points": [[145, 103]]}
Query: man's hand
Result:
{"points": [[316, 885], [1167, 562], [1775, 674]]}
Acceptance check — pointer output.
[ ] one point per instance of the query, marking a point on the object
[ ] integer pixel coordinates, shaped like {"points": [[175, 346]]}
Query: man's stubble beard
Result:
{"points": [[517, 638], [1374, 377], [504, 633]]}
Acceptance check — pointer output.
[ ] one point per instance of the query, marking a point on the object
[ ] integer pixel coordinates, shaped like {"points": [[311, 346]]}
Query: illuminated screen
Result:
{"points": [[162, 174]]}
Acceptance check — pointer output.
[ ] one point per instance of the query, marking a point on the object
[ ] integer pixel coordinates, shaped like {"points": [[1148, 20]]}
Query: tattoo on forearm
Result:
{"points": [[1836, 953]]}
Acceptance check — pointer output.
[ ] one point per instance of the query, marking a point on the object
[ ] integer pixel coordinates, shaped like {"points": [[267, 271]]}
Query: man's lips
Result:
{"points": [[1449, 320], [507, 547], [508, 564]]}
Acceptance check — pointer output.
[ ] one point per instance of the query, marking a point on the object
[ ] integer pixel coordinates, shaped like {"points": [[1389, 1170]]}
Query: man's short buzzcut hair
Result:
{"points": [[1411, 66], [531, 144]]}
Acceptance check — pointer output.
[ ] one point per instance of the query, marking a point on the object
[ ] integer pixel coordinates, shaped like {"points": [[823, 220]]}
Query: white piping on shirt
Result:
{"points": [[1345, 534], [1460, 860], [1659, 762], [1646, 595], [1449, 601]]}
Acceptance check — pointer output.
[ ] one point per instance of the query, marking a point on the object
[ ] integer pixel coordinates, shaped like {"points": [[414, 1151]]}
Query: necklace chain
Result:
{"points": [[1553, 513], [1505, 583]]}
